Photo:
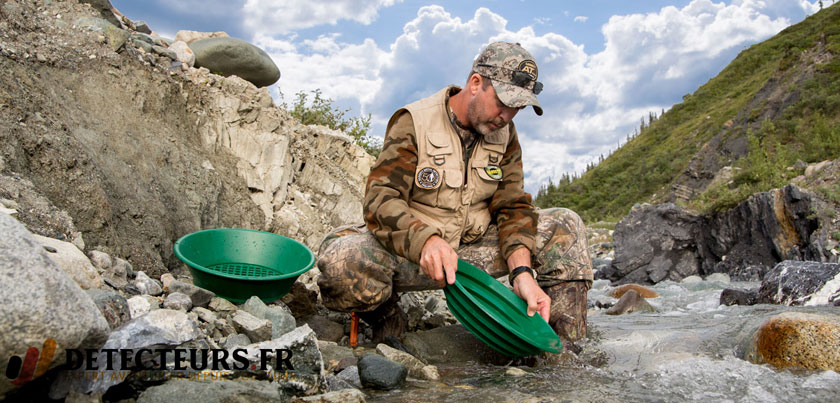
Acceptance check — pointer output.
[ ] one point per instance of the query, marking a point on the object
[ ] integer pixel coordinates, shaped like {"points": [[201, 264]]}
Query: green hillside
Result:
{"points": [[778, 102]]}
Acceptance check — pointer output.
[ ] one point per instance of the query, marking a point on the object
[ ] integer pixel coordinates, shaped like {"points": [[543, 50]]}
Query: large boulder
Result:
{"points": [[656, 243], [666, 242], [38, 302], [798, 340], [801, 283], [231, 56]]}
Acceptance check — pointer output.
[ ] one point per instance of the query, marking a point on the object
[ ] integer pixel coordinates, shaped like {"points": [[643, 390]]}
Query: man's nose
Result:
{"points": [[507, 113]]}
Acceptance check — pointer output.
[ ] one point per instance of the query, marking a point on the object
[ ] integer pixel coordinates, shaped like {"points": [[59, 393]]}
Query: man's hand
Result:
{"points": [[538, 301], [437, 255]]}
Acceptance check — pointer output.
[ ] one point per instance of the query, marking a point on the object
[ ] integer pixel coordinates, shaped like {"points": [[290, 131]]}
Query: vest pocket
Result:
{"points": [[478, 219]]}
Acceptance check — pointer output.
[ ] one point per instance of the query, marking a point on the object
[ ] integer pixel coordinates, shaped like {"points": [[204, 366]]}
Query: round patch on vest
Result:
{"points": [[428, 178], [493, 172]]}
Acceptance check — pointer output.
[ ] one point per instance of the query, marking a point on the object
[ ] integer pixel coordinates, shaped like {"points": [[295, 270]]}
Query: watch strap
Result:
{"points": [[519, 270]]}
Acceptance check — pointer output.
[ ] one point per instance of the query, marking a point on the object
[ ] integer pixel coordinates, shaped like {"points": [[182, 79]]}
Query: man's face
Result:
{"points": [[486, 113]]}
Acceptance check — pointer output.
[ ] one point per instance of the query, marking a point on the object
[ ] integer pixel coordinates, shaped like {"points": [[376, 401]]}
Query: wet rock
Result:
{"points": [[416, 368], [731, 296], [222, 305], [630, 302], [236, 340], [161, 327], [216, 391], [324, 328], [798, 340], [719, 277], [643, 291], [146, 285], [39, 301], [72, 261], [351, 376], [692, 279], [378, 372], [335, 384], [198, 295], [801, 283], [177, 301], [338, 396], [231, 56], [255, 328], [183, 53], [451, 344], [112, 305], [515, 372]]}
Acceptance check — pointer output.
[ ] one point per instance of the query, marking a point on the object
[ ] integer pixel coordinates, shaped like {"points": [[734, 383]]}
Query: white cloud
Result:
{"points": [[282, 16], [581, 18]]}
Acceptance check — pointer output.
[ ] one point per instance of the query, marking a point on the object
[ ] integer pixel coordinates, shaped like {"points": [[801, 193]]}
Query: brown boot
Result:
{"points": [[568, 309], [387, 320]]}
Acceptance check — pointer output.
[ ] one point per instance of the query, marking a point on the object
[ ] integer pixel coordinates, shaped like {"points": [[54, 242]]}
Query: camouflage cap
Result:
{"points": [[513, 72]]}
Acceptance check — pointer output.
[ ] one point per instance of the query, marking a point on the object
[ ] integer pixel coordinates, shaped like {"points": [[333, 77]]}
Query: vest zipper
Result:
{"points": [[467, 168]]}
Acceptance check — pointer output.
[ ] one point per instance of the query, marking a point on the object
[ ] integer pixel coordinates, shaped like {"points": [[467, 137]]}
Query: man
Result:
{"points": [[449, 184]]}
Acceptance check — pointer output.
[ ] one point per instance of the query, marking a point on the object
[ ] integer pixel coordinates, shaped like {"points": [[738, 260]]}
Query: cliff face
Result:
{"points": [[120, 151]]}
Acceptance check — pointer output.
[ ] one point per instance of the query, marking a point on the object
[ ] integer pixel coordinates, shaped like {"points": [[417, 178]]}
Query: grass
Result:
{"points": [[646, 166]]}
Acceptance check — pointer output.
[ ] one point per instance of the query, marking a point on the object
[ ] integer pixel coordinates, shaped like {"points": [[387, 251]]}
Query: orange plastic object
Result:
{"points": [[354, 330]]}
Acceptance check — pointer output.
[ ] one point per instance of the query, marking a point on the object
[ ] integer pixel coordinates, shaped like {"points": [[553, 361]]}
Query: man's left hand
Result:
{"points": [[526, 287]]}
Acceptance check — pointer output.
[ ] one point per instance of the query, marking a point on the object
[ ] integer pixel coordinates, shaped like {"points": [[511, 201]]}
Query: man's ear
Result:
{"points": [[474, 84]]}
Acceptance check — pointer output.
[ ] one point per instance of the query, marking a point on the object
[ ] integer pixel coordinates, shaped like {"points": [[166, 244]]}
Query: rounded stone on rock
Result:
{"points": [[378, 372], [231, 56], [515, 372], [643, 291], [800, 340]]}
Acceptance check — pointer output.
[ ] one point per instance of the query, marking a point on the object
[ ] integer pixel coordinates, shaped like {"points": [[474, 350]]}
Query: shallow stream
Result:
{"points": [[688, 351]]}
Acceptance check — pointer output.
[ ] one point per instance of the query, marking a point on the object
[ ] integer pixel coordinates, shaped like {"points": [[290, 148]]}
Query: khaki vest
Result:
{"points": [[440, 197]]}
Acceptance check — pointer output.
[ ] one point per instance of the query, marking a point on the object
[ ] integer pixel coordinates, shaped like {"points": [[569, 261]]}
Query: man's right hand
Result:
{"points": [[436, 257]]}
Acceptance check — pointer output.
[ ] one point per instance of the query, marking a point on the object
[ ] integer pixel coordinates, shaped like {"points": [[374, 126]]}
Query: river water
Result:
{"points": [[688, 351]]}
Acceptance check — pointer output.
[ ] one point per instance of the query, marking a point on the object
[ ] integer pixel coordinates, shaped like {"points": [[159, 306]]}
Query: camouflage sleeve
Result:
{"points": [[515, 214], [388, 189]]}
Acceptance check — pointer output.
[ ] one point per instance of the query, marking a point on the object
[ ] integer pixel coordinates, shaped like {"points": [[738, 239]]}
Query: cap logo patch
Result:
{"points": [[428, 178], [530, 67]]}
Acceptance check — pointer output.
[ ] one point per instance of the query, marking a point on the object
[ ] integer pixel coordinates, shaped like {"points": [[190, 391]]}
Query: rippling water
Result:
{"points": [[687, 351]]}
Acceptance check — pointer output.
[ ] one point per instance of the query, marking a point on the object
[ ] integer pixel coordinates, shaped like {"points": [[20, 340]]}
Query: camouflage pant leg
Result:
{"points": [[562, 252], [358, 274], [568, 309]]}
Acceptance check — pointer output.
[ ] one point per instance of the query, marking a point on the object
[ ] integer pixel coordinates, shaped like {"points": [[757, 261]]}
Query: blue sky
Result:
{"points": [[604, 63]]}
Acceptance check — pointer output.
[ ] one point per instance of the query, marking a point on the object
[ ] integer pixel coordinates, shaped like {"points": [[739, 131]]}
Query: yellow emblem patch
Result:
{"points": [[493, 172]]}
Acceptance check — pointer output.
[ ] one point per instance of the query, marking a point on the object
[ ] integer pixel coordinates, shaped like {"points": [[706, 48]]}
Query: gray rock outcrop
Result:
{"points": [[801, 283], [40, 302], [665, 242], [231, 56]]}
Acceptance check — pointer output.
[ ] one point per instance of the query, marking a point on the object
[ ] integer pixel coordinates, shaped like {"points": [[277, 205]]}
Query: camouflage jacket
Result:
{"points": [[391, 187]]}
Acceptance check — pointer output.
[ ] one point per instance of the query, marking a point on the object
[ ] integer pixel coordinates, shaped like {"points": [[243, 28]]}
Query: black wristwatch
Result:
{"points": [[519, 270]]}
